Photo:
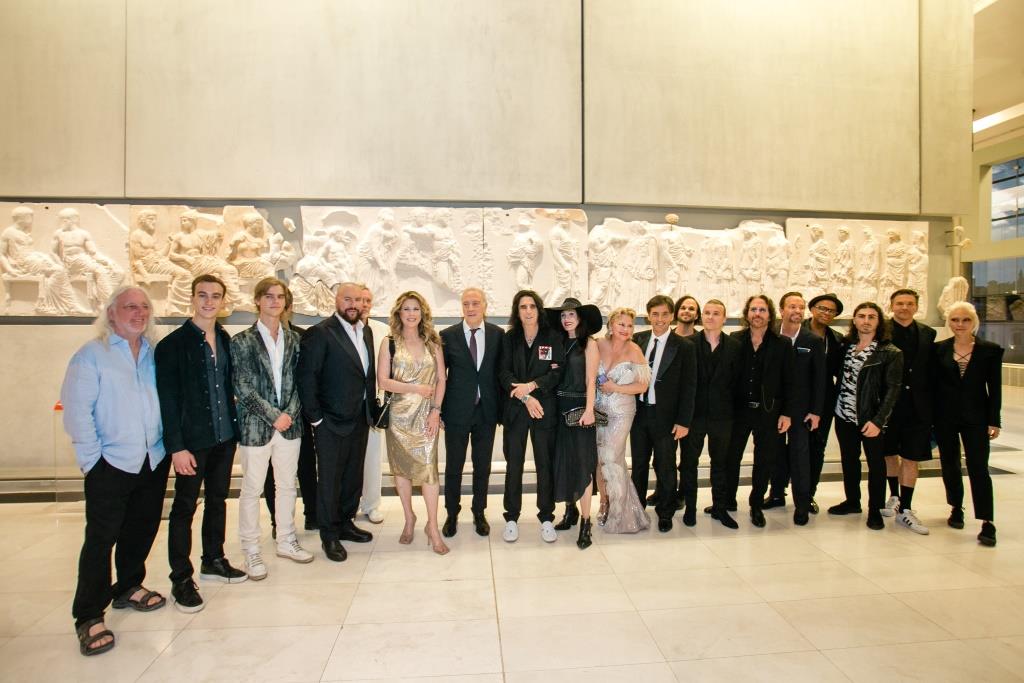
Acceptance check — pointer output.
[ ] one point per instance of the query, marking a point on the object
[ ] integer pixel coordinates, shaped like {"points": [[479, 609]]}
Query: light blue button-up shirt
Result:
{"points": [[111, 409]]}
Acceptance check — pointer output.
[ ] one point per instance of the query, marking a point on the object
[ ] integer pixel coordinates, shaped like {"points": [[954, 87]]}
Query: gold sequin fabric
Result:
{"points": [[410, 453]]}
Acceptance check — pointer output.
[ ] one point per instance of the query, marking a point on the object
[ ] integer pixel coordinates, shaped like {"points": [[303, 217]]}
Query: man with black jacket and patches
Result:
{"points": [[194, 380]]}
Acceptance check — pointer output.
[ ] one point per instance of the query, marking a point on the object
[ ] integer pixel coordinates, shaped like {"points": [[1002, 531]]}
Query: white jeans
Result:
{"points": [[372, 477], [284, 454]]}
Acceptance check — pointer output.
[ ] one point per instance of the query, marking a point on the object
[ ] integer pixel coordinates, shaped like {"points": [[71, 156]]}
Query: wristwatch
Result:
{"points": [[524, 399]]}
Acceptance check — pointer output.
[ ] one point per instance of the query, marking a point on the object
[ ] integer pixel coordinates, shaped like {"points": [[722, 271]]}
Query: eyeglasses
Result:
{"points": [[826, 310]]}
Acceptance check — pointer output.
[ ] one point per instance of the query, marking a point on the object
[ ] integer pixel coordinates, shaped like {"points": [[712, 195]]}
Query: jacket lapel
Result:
{"points": [[264, 352], [343, 340], [671, 346]]}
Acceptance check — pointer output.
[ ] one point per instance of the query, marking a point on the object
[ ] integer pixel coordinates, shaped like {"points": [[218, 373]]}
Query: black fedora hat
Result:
{"points": [[589, 315], [829, 296]]}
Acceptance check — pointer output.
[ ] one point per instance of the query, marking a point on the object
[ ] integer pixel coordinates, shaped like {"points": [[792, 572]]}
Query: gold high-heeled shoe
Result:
{"points": [[440, 549], [602, 512], [407, 532]]}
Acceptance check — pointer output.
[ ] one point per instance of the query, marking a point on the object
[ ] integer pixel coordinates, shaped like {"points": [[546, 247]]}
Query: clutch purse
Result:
{"points": [[572, 418], [382, 412]]}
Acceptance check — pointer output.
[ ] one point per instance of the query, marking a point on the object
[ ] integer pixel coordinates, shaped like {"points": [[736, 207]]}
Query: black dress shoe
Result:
{"points": [[987, 536], [350, 532], [311, 525], [726, 519], [800, 517], [664, 524], [845, 508], [710, 510], [757, 517], [875, 520], [814, 507], [480, 522], [652, 500], [679, 504], [335, 551], [569, 519], [690, 516], [773, 502], [956, 518], [450, 526]]}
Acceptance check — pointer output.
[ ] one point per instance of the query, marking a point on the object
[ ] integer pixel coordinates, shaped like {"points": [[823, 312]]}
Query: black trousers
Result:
{"points": [[306, 475], [456, 440], [717, 433], [765, 428], [793, 461], [122, 513], [976, 451], [339, 461], [818, 444], [647, 439], [514, 444], [850, 443], [213, 474]]}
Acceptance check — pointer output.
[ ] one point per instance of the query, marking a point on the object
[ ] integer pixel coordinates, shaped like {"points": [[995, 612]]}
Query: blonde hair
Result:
{"points": [[103, 325], [622, 310], [964, 307], [425, 328]]}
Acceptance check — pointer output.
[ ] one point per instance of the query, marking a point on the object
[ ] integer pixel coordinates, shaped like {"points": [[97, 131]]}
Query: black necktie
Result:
{"points": [[650, 361], [472, 353]]}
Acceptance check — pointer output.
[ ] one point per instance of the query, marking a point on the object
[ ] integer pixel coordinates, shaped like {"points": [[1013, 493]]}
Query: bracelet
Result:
{"points": [[524, 399]]}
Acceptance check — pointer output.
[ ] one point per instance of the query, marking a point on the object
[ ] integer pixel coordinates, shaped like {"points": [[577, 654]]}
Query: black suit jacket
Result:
{"points": [[916, 374], [833, 343], [779, 391], [332, 384], [676, 383], [716, 383], [977, 398], [515, 367], [181, 384], [464, 379], [810, 374]]}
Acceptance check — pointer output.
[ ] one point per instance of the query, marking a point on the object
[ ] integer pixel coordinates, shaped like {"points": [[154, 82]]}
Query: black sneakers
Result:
{"points": [[988, 534], [221, 570], [186, 596]]}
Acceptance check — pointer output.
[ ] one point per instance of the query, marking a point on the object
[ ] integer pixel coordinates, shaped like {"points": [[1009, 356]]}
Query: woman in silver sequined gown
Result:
{"points": [[625, 374]]}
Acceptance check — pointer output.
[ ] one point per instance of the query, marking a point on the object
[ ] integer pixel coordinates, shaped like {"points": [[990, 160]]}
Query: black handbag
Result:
{"points": [[383, 410], [573, 415]]}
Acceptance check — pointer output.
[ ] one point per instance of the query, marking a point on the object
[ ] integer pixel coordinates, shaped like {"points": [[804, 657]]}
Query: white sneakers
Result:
{"points": [[908, 519], [548, 533], [291, 550], [254, 566], [511, 533], [891, 506], [375, 516]]}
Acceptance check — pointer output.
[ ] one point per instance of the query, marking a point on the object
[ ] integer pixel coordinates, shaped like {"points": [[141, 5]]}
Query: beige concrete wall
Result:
{"points": [[792, 104], [62, 98], [947, 90], [426, 99]]}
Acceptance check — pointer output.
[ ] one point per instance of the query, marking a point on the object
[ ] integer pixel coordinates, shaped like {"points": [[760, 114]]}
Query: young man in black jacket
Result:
{"points": [[195, 384]]}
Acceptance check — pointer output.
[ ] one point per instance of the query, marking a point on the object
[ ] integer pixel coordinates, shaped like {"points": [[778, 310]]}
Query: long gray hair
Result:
{"points": [[104, 327]]}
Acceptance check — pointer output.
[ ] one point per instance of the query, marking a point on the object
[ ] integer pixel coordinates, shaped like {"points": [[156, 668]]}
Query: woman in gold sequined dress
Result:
{"points": [[415, 376]]}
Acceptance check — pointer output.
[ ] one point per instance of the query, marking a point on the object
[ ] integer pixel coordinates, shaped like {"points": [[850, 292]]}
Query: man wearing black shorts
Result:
{"points": [[908, 435]]}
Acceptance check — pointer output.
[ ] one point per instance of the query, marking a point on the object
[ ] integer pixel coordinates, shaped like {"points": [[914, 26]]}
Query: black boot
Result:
{"points": [[572, 515], [584, 541]]}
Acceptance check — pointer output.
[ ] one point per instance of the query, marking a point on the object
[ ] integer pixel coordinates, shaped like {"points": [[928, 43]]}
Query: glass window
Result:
{"points": [[1008, 200], [997, 288]]}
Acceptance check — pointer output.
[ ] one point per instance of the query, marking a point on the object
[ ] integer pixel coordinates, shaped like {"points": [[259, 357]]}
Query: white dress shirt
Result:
{"points": [[276, 351], [662, 340], [355, 333], [479, 341]]}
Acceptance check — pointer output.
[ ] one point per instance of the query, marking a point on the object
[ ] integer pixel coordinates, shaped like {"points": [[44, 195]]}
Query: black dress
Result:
{"points": [[576, 447]]}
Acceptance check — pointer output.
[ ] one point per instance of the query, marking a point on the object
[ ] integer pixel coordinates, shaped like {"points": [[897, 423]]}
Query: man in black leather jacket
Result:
{"points": [[868, 390]]}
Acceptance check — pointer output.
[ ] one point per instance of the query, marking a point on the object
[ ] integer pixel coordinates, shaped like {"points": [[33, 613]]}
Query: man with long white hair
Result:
{"points": [[112, 414]]}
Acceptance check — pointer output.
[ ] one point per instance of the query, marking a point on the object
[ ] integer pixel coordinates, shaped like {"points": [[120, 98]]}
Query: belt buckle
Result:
{"points": [[753, 404]]}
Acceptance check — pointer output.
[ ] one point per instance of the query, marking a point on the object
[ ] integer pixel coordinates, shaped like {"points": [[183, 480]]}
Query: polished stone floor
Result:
{"points": [[833, 601]]}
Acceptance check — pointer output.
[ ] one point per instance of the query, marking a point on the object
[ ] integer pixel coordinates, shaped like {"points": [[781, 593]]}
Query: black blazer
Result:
{"points": [[332, 383], [916, 374], [184, 393], [974, 400], [716, 385], [779, 392], [809, 375], [676, 384], [514, 367], [833, 343], [464, 379]]}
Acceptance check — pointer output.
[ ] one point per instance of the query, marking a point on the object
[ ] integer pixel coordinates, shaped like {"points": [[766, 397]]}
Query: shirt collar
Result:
{"points": [[662, 337], [466, 328], [264, 330], [357, 327]]}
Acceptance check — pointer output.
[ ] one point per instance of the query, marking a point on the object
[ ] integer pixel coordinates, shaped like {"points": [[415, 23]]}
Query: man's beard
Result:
{"points": [[351, 319]]}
